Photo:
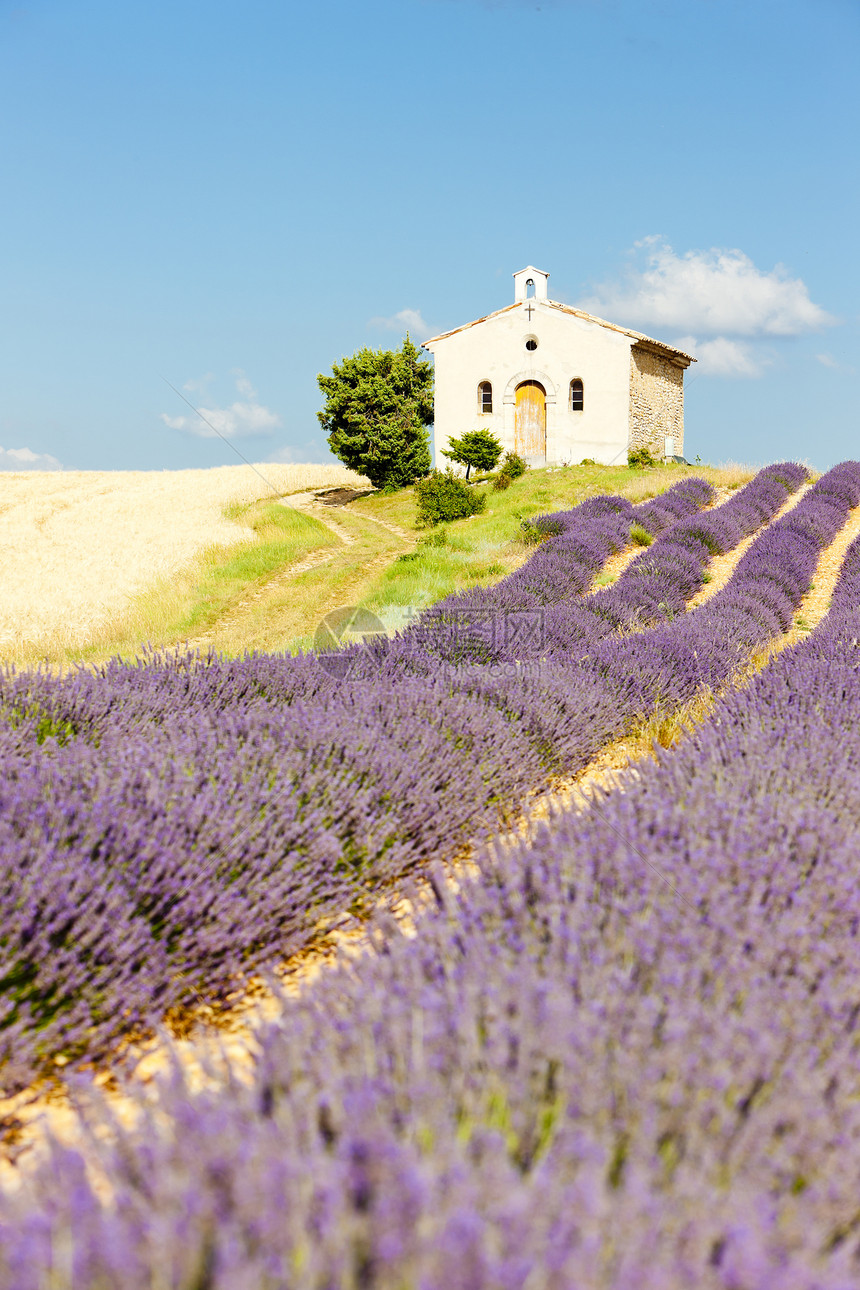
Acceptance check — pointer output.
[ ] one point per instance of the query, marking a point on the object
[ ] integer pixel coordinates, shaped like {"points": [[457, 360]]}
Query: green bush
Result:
{"points": [[439, 537], [444, 496], [640, 536], [637, 458], [513, 466], [534, 531], [378, 405], [588, 461]]}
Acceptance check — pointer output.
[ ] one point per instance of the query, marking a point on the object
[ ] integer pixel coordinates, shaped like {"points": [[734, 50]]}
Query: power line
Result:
{"points": [[207, 422]]}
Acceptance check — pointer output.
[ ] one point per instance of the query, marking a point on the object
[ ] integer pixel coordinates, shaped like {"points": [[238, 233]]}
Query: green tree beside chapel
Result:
{"points": [[378, 405], [478, 448]]}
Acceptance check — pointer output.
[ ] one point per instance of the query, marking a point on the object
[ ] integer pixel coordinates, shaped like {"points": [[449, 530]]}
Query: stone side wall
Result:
{"points": [[656, 402]]}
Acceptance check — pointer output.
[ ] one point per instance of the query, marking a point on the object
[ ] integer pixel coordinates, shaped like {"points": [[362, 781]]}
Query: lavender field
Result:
{"points": [[625, 1056]]}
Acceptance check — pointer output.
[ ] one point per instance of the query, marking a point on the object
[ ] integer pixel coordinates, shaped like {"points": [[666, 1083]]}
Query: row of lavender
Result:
{"points": [[576, 545], [579, 542], [628, 1058], [165, 827], [575, 701], [654, 588], [159, 841]]}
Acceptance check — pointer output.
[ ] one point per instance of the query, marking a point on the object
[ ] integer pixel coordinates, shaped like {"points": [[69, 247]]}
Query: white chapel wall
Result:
{"points": [[568, 347]]}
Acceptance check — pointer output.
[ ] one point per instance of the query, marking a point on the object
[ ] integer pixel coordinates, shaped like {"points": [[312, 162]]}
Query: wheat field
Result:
{"points": [[77, 546]]}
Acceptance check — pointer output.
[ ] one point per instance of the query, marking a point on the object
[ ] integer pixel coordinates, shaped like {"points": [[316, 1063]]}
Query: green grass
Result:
{"points": [[281, 537], [480, 550], [235, 597], [447, 561], [640, 536]]}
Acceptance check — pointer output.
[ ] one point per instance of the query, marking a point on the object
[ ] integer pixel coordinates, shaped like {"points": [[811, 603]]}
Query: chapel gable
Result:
{"points": [[556, 384]]}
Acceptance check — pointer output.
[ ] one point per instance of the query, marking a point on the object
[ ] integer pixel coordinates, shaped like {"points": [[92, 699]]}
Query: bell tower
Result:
{"points": [[530, 284]]}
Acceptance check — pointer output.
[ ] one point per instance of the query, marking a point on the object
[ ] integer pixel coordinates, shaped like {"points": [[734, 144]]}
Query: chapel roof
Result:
{"points": [[646, 342]]}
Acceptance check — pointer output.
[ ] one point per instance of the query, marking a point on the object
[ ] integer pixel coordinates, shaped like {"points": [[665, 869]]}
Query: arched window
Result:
{"points": [[577, 396], [485, 397], [530, 288]]}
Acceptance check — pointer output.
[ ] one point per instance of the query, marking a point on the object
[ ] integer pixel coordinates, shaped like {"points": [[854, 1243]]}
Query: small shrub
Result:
{"points": [[640, 536], [513, 466], [534, 531], [478, 448], [439, 537], [502, 481], [588, 461], [442, 496], [638, 458]]}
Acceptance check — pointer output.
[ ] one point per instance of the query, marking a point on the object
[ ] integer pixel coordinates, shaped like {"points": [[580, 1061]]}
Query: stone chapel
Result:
{"points": [[557, 385]]}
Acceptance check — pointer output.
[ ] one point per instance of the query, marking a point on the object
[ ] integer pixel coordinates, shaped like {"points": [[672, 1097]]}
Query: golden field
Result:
{"points": [[76, 547]]}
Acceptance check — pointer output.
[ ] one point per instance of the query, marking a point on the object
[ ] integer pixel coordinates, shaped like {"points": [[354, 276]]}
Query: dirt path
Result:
{"points": [[396, 529], [247, 603], [348, 587], [307, 502]]}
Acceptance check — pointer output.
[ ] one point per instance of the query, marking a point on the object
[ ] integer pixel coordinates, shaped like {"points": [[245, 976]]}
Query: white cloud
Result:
{"points": [[285, 455], [406, 320], [310, 452], [724, 357], [712, 293], [243, 385], [241, 419], [25, 459], [827, 360], [198, 385]]}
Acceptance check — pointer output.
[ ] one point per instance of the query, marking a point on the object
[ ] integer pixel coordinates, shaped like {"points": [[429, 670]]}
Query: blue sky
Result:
{"points": [[232, 197]]}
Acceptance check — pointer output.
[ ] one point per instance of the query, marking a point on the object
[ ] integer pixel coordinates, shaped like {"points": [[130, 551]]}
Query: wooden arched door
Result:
{"points": [[530, 421]]}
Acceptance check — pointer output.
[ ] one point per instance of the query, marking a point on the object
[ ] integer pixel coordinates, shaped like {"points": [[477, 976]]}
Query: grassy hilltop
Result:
{"points": [[277, 566]]}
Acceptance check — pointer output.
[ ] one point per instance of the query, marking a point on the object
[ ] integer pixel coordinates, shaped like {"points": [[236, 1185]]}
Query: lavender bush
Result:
{"points": [[659, 582], [627, 1058], [581, 541], [170, 827]]}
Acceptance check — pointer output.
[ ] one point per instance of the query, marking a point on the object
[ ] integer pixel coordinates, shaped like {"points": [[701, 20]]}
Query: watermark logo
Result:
{"points": [[510, 633], [341, 639], [504, 641]]}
